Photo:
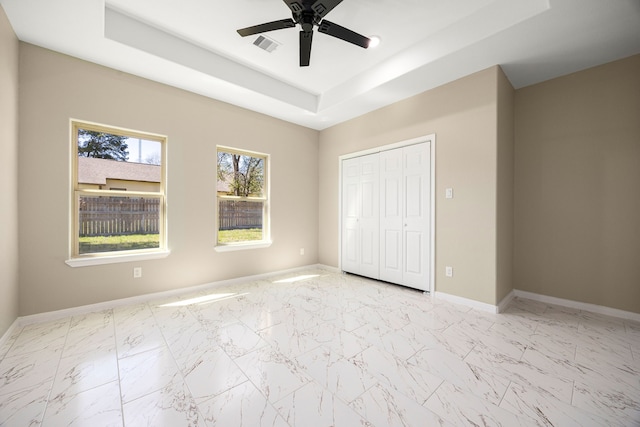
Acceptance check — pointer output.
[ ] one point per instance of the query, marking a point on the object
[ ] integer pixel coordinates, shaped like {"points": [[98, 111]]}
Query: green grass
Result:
{"points": [[96, 244], [239, 235], [118, 243]]}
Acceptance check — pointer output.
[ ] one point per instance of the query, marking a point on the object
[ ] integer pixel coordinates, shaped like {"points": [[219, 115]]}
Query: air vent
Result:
{"points": [[266, 43]]}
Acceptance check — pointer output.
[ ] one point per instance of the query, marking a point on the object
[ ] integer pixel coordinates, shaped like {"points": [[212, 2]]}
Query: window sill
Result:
{"points": [[114, 259], [242, 246]]}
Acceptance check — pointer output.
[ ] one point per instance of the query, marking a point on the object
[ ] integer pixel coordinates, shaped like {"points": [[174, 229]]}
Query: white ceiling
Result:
{"points": [[193, 45]]}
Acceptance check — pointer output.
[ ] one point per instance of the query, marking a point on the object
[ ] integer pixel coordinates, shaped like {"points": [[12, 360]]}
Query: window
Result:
{"points": [[243, 199], [118, 185]]}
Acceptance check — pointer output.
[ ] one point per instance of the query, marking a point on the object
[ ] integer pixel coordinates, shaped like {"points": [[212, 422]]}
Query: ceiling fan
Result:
{"points": [[309, 13]]}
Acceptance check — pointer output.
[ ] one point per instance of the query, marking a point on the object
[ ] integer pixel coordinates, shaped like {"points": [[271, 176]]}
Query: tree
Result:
{"points": [[102, 145], [244, 174], [153, 159]]}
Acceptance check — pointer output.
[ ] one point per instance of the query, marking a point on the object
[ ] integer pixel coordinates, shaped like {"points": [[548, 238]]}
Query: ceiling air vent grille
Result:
{"points": [[266, 43]]}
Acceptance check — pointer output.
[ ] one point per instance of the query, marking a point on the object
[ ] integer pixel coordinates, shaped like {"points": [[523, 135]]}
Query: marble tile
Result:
{"points": [[93, 331], [385, 407], [8, 342], [480, 382], [548, 341], [237, 339], [275, 375], [340, 318], [259, 319], [241, 406], [406, 341], [35, 371], [617, 404], [387, 318], [190, 339], [314, 405], [98, 406], [40, 336], [172, 405], [397, 374], [346, 378], [146, 373], [520, 371], [84, 371], [445, 402], [136, 330], [372, 333], [547, 410], [497, 338], [431, 320], [24, 407], [171, 319], [297, 317], [312, 347], [346, 343], [210, 373]]}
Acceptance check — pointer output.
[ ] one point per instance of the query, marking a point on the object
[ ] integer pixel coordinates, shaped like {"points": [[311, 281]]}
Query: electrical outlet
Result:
{"points": [[448, 271], [137, 272], [301, 251]]}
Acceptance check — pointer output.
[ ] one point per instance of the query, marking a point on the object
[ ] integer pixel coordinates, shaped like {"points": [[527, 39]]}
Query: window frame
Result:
{"points": [[76, 259], [265, 199]]}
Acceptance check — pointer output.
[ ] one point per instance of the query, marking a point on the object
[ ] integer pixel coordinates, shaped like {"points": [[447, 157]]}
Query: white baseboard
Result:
{"points": [[502, 305], [483, 306], [92, 308], [5, 337], [593, 308]]}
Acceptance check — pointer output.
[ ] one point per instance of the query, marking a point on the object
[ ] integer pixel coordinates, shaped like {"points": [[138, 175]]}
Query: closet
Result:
{"points": [[385, 209]]}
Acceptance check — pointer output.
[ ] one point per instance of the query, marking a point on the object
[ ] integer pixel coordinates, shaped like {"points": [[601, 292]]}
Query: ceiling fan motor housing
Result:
{"points": [[307, 14]]}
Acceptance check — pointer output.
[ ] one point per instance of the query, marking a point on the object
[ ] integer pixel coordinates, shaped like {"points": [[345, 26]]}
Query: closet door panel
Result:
{"points": [[416, 174], [360, 216], [350, 212], [369, 220], [391, 216]]}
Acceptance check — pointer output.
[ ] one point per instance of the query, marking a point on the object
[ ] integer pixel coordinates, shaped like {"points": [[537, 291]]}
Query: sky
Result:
{"points": [[149, 149]]}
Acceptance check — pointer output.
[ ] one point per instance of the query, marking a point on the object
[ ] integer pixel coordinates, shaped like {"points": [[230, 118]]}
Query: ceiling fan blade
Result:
{"points": [[268, 26], [343, 33], [296, 6], [322, 7], [305, 47]]}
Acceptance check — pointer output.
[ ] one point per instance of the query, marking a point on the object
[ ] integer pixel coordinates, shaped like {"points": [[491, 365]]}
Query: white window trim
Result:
{"points": [[266, 220], [114, 259], [231, 247], [85, 260]]}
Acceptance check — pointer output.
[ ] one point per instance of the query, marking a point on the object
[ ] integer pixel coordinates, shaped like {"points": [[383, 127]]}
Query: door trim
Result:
{"points": [[431, 138]]}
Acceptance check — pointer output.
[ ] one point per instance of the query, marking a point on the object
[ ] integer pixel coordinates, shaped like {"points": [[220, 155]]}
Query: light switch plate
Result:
{"points": [[448, 193]]}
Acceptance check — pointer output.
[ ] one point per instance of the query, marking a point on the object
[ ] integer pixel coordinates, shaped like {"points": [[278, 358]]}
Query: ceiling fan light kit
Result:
{"points": [[309, 14]]}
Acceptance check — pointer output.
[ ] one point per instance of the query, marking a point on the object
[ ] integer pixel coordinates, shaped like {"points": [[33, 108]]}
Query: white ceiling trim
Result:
{"points": [[135, 33], [193, 45]]}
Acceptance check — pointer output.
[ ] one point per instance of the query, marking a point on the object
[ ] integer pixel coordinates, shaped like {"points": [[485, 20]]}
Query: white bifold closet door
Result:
{"points": [[386, 215], [404, 215], [360, 216]]}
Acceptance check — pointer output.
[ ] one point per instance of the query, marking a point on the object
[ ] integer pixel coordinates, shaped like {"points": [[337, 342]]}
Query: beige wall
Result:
{"points": [[463, 115], [55, 88], [549, 205], [8, 174], [504, 218], [577, 182]]}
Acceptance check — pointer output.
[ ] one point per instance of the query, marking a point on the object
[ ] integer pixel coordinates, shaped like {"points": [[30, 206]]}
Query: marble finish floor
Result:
{"points": [[317, 348]]}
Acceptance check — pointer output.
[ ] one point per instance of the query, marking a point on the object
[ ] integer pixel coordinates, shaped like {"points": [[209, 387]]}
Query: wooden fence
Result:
{"points": [[115, 216], [233, 214]]}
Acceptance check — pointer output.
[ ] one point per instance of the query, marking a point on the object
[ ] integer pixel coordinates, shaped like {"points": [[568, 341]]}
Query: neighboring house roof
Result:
{"points": [[97, 171]]}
